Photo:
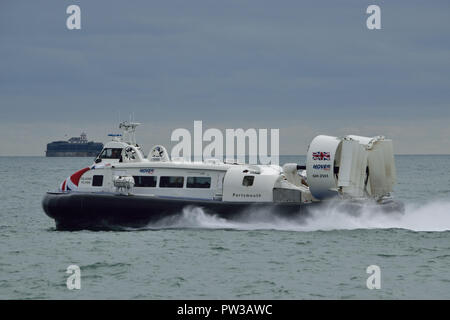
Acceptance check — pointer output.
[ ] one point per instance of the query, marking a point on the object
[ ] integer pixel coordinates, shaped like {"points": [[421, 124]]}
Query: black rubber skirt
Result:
{"points": [[104, 211], [99, 211]]}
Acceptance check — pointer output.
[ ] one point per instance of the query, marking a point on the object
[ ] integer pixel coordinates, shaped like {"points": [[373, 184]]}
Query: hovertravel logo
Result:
{"points": [[147, 170], [233, 146], [322, 166]]}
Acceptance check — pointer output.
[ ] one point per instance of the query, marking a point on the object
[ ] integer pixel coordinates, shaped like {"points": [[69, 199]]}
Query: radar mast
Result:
{"points": [[129, 131]]}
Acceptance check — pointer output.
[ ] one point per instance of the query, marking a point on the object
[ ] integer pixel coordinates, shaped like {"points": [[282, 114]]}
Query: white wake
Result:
{"points": [[433, 216]]}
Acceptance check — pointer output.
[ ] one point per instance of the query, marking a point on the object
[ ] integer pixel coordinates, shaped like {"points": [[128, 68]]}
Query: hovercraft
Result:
{"points": [[123, 188]]}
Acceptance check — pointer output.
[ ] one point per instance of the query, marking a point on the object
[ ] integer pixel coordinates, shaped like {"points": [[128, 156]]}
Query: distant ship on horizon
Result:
{"points": [[74, 147]]}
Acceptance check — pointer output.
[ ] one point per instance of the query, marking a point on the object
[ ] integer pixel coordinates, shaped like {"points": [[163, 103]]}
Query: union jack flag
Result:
{"points": [[321, 155]]}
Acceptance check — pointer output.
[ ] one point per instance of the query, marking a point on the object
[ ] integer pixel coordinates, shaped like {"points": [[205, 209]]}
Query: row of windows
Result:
{"points": [[164, 182], [172, 182]]}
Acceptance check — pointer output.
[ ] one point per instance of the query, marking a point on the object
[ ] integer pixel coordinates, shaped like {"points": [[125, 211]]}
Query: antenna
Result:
{"points": [[118, 111], [129, 129]]}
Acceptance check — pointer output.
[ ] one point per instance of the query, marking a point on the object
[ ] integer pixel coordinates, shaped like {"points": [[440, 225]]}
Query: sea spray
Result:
{"points": [[432, 216]]}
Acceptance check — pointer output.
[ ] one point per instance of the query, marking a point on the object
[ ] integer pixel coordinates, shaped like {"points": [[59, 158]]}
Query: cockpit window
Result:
{"points": [[111, 153]]}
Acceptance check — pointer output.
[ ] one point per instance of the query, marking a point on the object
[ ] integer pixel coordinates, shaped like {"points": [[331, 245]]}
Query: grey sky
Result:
{"points": [[306, 67]]}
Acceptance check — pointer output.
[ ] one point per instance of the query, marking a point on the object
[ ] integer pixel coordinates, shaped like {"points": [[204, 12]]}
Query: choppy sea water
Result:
{"points": [[200, 256]]}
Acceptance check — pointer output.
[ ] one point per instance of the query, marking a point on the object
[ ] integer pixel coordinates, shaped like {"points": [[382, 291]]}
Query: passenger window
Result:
{"points": [[171, 182], [198, 182], [145, 181], [97, 181], [248, 181]]}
